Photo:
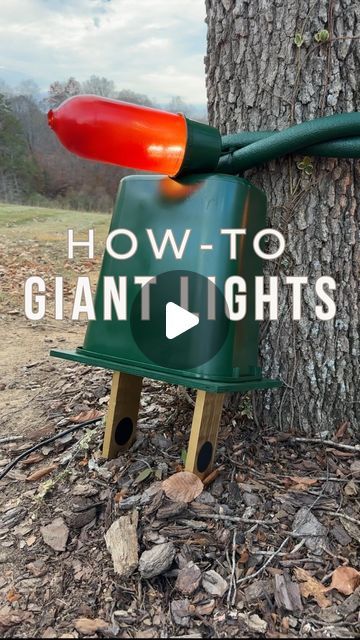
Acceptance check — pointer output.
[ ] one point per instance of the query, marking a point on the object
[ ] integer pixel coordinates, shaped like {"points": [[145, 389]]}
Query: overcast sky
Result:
{"points": [[155, 47]]}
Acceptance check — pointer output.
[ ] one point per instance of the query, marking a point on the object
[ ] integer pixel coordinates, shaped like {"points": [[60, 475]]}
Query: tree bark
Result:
{"points": [[257, 78]]}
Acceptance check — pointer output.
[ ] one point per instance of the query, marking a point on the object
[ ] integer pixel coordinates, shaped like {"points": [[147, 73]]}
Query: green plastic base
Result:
{"points": [[173, 378]]}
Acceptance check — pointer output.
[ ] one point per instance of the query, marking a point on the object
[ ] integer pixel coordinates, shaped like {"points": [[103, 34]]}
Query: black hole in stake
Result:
{"points": [[123, 431], [204, 456]]}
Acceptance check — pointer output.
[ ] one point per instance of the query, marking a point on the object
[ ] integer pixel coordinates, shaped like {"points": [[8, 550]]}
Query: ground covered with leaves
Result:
{"points": [[267, 546]]}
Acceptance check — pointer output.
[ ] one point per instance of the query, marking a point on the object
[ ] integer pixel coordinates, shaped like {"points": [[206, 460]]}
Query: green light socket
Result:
{"points": [[203, 148]]}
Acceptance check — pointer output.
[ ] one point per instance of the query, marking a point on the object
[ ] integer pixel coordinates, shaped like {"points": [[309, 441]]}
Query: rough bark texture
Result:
{"points": [[257, 78]]}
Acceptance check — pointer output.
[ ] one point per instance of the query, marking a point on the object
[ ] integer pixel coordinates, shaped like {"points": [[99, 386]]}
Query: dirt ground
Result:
{"points": [[268, 546], [34, 243]]}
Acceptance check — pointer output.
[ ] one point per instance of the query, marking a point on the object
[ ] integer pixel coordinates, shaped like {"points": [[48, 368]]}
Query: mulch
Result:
{"points": [[257, 553]]}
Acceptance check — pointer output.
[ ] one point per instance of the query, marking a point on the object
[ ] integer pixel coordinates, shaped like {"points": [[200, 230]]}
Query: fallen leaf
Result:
{"points": [[87, 626], [145, 473], [309, 586], [183, 487], [302, 483], [345, 580], [32, 459], [91, 414], [351, 488], [12, 596], [243, 556], [40, 473], [55, 534]]}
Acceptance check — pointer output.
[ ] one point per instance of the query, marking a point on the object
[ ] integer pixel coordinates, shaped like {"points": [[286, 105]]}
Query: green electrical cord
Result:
{"points": [[336, 136]]}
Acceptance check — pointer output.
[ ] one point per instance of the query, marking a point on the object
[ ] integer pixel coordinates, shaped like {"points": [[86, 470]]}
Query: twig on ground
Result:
{"points": [[8, 439], [273, 555], [289, 475], [216, 516], [339, 514], [295, 561], [231, 596], [329, 443]]}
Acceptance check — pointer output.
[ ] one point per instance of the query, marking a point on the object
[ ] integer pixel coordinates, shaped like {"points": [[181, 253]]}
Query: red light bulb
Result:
{"points": [[132, 136]]}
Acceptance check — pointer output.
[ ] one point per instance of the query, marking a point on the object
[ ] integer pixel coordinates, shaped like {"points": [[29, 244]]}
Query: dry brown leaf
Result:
{"points": [[345, 580], [119, 496], [87, 626], [91, 414], [302, 483], [12, 596], [182, 487], [32, 459], [351, 488], [309, 586], [243, 556], [40, 473]]}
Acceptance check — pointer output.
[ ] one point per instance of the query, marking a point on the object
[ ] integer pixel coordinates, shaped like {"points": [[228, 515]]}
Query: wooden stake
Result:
{"points": [[121, 417], [204, 431]]}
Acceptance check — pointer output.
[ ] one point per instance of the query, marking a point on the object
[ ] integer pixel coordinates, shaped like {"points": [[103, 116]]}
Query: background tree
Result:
{"points": [[136, 98], [270, 65], [17, 172], [99, 86], [54, 176], [60, 91]]}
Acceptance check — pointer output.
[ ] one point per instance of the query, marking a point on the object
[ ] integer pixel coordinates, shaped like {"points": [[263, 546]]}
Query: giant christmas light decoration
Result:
{"points": [[136, 137], [216, 355]]}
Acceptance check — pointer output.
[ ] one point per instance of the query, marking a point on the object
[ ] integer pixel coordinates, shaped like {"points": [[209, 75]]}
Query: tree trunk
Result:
{"points": [[258, 78]]}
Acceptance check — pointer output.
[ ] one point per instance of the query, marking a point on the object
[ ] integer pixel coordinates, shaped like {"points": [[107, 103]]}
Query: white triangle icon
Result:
{"points": [[178, 320]]}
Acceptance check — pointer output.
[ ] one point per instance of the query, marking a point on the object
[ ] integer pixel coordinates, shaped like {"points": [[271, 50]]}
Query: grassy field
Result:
{"points": [[42, 222], [34, 242]]}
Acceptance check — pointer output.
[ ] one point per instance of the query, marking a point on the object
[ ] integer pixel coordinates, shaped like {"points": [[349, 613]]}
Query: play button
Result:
{"points": [[186, 325], [178, 320]]}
